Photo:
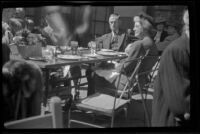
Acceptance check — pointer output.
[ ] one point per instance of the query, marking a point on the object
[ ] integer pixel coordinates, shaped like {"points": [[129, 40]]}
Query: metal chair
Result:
{"points": [[50, 120], [103, 104], [148, 75]]}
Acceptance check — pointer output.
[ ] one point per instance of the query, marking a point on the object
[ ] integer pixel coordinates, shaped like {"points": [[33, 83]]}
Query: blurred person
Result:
{"points": [[5, 44], [172, 32], [7, 36], [22, 90], [171, 103], [108, 77], [63, 31]]}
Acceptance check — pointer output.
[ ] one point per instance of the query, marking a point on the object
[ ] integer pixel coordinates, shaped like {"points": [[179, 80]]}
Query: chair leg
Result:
{"points": [[126, 113], [144, 105], [112, 121], [69, 117]]}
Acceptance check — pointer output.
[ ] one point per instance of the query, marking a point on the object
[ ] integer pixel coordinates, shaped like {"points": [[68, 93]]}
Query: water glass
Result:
{"points": [[74, 47], [47, 54], [93, 47]]}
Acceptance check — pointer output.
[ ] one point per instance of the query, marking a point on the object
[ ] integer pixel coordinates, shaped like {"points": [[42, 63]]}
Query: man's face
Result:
{"points": [[160, 27], [114, 23], [137, 29]]}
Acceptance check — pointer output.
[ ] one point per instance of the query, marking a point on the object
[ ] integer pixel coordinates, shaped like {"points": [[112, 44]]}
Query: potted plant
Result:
{"points": [[29, 44]]}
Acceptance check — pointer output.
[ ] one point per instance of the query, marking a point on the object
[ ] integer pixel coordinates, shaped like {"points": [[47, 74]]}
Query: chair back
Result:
{"points": [[54, 119], [142, 79]]}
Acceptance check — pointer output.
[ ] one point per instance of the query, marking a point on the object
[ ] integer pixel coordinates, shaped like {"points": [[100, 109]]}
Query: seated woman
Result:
{"points": [[22, 90], [106, 80]]}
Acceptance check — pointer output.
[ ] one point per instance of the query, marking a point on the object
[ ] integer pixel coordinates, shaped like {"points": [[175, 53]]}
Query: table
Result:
{"points": [[47, 66]]}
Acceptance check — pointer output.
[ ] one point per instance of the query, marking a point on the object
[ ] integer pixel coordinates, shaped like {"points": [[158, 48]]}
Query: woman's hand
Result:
{"points": [[127, 49]]}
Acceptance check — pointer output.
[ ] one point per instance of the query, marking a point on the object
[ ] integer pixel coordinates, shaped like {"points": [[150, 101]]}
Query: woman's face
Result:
{"points": [[138, 29]]}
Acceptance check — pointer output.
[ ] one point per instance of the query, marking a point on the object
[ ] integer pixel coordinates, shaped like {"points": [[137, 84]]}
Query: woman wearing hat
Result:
{"points": [[172, 35]]}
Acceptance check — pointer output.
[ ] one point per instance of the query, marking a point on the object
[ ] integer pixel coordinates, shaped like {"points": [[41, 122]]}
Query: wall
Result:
{"points": [[127, 13]]}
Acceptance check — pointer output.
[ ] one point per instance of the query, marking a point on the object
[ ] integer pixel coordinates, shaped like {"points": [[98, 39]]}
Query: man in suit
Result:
{"points": [[116, 39]]}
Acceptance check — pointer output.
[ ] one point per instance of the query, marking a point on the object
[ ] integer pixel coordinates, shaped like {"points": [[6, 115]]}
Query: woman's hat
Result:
{"points": [[147, 17], [160, 20]]}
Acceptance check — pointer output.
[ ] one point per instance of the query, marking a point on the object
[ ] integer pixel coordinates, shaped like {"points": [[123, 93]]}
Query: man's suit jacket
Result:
{"points": [[106, 40]]}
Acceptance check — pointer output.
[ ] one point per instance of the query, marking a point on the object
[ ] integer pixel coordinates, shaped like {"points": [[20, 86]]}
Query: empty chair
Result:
{"points": [[105, 104], [54, 119]]}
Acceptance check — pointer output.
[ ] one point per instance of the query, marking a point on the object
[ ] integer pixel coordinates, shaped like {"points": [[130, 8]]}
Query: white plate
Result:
{"points": [[107, 53], [90, 55], [69, 57], [82, 48], [106, 50]]}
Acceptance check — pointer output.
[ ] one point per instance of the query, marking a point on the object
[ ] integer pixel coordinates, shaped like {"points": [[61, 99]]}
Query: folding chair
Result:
{"points": [[148, 75], [103, 104], [50, 120]]}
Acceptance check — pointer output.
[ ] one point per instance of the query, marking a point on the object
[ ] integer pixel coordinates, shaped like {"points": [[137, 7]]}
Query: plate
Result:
{"points": [[82, 48], [69, 57], [107, 53], [122, 53], [91, 55], [37, 58], [106, 50]]}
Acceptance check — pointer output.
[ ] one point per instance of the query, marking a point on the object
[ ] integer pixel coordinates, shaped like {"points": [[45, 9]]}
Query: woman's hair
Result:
{"points": [[146, 22], [22, 82]]}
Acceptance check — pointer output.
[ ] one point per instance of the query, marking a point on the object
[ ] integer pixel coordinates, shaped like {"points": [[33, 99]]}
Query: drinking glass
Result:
{"points": [[47, 53], [93, 47], [74, 47]]}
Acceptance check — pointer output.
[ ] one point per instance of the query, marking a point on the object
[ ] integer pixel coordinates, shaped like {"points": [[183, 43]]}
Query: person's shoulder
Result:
{"points": [[106, 35], [147, 41], [177, 45]]}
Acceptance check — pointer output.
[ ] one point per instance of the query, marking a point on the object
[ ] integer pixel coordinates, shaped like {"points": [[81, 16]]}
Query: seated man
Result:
{"points": [[172, 35], [116, 39], [105, 79]]}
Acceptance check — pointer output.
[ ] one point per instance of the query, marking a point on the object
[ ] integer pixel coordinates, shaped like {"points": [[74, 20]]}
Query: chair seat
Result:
{"points": [[139, 97], [101, 103]]}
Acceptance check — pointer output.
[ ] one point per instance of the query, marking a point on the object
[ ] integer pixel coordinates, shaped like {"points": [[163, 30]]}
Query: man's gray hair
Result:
{"points": [[115, 15]]}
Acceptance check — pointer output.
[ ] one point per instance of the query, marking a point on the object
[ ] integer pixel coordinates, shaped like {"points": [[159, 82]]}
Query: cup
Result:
{"points": [[47, 53], [93, 47], [74, 47]]}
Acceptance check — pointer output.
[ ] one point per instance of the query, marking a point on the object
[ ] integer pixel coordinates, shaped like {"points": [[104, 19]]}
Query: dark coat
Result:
{"points": [[5, 53], [121, 43], [23, 87], [163, 35], [172, 85]]}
